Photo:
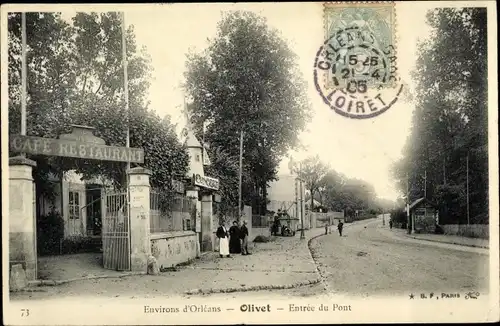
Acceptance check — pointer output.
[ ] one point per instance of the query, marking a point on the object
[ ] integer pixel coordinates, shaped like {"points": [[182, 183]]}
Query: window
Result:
{"points": [[74, 205], [198, 158]]}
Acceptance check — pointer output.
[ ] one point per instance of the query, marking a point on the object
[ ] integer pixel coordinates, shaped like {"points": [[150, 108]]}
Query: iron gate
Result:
{"points": [[115, 231]]}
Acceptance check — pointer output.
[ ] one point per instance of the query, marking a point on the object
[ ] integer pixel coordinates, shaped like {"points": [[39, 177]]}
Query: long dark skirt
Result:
{"points": [[234, 245]]}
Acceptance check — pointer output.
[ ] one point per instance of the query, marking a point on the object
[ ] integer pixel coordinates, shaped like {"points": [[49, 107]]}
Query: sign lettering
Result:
{"points": [[178, 186], [206, 182], [71, 148]]}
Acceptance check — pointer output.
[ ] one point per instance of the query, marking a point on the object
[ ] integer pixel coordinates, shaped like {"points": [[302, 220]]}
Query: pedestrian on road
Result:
{"points": [[326, 228], [244, 239], [223, 236], [390, 224], [339, 227], [234, 239]]}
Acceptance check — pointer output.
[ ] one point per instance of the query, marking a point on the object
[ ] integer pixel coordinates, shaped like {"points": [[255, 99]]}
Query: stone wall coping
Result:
{"points": [[139, 170], [21, 160], [171, 234]]}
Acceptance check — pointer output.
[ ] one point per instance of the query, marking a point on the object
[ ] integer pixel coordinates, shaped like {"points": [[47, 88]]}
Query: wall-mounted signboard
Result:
{"points": [[178, 186], [72, 148], [206, 182]]}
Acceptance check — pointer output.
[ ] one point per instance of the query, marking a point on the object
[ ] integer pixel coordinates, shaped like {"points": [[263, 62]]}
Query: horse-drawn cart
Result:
{"points": [[284, 225]]}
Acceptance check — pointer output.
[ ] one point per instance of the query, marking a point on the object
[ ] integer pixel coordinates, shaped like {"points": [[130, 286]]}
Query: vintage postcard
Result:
{"points": [[250, 163]]}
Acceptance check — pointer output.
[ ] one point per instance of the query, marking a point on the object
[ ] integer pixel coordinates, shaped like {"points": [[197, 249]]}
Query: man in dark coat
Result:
{"points": [[340, 226], [244, 239], [234, 239]]}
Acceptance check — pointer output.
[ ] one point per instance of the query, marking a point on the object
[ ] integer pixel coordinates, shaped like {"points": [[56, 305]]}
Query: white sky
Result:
{"points": [[363, 149]]}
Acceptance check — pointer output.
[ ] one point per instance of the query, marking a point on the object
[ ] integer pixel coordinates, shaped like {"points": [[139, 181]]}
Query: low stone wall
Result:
{"points": [[319, 220], [472, 231], [172, 248]]}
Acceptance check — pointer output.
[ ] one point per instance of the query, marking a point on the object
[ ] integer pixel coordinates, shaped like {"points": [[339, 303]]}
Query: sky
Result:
{"points": [[363, 149]]}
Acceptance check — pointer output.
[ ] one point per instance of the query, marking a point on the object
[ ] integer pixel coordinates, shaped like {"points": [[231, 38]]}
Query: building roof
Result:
{"points": [[420, 201], [192, 141]]}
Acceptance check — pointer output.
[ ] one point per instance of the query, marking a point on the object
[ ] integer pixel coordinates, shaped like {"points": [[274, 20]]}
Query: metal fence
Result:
{"points": [[229, 215], [259, 221], [174, 214], [115, 232]]}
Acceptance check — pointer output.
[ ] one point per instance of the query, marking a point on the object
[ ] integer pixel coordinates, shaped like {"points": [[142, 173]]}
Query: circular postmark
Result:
{"points": [[355, 75]]}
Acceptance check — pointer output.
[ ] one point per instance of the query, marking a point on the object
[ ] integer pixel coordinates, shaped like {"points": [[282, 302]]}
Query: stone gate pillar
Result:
{"points": [[140, 242], [192, 192], [22, 219], [207, 234]]}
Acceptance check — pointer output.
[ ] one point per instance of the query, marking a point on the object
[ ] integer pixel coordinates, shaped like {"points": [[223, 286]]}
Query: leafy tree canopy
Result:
{"points": [[75, 76], [336, 191], [449, 125], [247, 80]]}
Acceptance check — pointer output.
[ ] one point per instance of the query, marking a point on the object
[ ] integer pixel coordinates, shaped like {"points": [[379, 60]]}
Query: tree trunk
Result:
{"points": [[444, 171], [264, 199], [312, 199]]}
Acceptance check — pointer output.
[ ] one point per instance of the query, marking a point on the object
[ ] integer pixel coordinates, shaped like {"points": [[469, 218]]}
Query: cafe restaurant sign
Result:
{"points": [[71, 146], [206, 182]]}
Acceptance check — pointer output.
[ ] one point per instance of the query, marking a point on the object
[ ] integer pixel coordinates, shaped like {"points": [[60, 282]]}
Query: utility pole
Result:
{"points": [[125, 79], [23, 74], [297, 211], [425, 184], [203, 143], [302, 235], [125, 91], [240, 176], [125, 82], [444, 170], [468, 217], [408, 203]]}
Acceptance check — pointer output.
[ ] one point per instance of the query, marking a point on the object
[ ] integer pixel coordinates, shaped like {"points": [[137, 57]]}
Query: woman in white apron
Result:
{"points": [[223, 236]]}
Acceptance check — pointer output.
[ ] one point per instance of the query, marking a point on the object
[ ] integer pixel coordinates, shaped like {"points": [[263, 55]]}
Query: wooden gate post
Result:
{"points": [[22, 221], [140, 245]]}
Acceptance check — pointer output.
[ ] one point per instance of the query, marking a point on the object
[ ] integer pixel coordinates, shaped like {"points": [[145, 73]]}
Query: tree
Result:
{"points": [[312, 171], [247, 80], [226, 168], [338, 192], [450, 119], [75, 76]]}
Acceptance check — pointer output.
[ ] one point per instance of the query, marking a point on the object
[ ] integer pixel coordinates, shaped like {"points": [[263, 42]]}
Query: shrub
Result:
{"points": [[50, 231], [78, 244], [261, 238], [398, 217]]}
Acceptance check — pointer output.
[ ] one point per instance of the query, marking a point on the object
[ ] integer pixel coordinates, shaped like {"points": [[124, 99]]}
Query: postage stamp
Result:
{"points": [[355, 69]]}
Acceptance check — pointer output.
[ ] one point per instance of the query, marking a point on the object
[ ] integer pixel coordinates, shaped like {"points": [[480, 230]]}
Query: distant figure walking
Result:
{"points": [[340, 226], [390, 224]]}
